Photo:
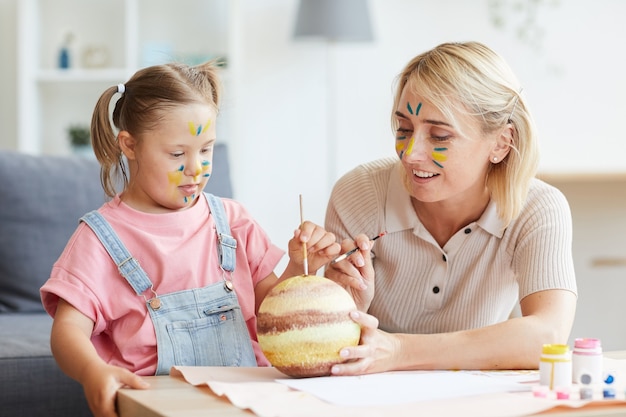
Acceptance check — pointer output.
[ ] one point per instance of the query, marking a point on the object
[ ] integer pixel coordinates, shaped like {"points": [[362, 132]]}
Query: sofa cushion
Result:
{"points": [[31, 383], [41, 200]]}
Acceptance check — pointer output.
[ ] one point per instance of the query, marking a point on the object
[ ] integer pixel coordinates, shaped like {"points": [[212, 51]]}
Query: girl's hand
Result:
{"points": [[321, 248], [375, 353], [101, 382], [355, 273]]}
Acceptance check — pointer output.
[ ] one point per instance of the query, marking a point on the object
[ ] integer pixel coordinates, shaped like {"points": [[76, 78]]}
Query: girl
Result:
{"points": [[163, 274]]}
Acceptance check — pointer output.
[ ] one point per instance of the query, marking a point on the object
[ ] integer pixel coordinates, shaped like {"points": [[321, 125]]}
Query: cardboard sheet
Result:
{"points": [[268, 393]]}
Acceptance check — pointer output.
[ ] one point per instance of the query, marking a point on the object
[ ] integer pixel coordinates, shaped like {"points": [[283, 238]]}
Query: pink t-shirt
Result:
{"points": [[177, 251]]}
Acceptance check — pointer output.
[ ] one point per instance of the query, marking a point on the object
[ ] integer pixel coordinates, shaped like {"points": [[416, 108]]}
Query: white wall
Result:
{"points": [[599, 217], [572, 79], [279, 144], [574, 83]]}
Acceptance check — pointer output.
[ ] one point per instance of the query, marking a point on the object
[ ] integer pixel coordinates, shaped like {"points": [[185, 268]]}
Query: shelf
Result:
{"points": [[582, 177], [82, 75], [147, 32]]}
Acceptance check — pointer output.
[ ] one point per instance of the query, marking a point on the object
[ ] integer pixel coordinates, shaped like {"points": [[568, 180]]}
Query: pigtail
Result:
{"points": [[104, 143]]}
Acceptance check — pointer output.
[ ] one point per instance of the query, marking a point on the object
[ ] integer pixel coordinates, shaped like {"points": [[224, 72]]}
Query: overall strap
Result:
{"points": [[127, 265], [227, 244]]}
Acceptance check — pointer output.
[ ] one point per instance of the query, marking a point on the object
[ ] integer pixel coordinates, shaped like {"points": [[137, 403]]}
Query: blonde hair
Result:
{"points": [[144, 99], [472, 79]]}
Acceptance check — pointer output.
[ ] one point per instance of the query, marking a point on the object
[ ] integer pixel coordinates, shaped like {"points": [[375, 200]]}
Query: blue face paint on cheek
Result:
{"points": [[205, 169]]}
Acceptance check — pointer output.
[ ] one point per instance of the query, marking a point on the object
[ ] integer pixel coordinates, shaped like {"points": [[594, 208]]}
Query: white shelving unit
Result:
{"points": [[126, 35]]}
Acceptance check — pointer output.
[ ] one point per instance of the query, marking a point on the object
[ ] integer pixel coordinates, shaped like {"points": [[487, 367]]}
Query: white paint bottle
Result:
{"points": [[555, 366], [587, 362]]}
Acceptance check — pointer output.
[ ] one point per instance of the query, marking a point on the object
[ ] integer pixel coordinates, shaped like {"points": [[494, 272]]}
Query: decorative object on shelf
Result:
{"points": [[156, 53], [199, 58], [96, 56], [80, 139], [521, 17], [65, 58], [333, 21]]}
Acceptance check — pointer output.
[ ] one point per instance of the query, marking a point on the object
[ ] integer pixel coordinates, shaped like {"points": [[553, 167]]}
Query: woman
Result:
{"points": [[470, 233]]}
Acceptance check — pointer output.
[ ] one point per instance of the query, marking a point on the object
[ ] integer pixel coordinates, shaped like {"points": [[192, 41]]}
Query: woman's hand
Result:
{"points": [[375, 353], [101, 382], [356, 272]]}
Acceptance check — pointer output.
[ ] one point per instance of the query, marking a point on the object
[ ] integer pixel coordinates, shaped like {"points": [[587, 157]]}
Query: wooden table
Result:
{"points": [[171, 396]]}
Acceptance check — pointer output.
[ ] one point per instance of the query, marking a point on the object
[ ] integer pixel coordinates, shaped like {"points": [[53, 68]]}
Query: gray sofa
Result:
{"points": [[41, 200]]}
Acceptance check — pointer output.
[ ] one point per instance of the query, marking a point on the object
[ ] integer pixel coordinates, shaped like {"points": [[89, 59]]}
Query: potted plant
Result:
{"points": [[80, 139]]}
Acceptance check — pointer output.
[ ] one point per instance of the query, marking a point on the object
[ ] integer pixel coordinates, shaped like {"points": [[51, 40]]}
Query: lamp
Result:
{"points": [[333, 21]]}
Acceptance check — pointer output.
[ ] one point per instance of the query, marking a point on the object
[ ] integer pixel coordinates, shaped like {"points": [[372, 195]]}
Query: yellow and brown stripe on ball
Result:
{"points": [[303, 323]]}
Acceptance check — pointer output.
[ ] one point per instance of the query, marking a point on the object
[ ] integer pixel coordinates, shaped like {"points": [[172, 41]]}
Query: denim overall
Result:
{"points": [[195, 327]]}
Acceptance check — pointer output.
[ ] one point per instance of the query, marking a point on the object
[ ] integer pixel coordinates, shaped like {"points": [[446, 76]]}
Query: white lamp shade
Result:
{"points": [[335, 20]]}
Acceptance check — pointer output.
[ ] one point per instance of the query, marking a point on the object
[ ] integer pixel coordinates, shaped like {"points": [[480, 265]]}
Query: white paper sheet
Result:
{"points": [[401, 387]]}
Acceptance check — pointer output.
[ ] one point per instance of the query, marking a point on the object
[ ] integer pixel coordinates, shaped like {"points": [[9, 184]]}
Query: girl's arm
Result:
{"points": [[321, 248], [70, 341]]}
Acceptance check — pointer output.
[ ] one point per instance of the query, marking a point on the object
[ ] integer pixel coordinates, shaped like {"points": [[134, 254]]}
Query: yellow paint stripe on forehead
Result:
{"points": [[199, 129]]}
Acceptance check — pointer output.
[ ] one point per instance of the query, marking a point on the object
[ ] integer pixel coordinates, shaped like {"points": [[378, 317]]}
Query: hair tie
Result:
{"points": [[121, 88]]}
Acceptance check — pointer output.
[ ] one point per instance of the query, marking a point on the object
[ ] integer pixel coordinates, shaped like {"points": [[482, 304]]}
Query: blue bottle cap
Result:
{"points": [[608, 393]]}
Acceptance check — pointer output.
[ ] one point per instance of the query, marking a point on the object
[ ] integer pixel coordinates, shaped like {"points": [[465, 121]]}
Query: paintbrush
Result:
{"points": [[306, 261], [351, 251]]}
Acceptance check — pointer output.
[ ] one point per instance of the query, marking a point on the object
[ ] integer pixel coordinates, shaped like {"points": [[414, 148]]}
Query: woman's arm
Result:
{"points": [[547, 317]]}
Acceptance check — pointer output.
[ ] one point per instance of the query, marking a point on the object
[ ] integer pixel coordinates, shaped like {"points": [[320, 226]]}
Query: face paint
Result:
{"points": [[401, 146], [417, 109], [438, 156], [176, 177], [205, 169], [198, 130]]}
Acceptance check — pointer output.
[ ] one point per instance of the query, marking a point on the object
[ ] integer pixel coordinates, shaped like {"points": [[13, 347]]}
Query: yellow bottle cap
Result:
{"points": [[555, 349]]}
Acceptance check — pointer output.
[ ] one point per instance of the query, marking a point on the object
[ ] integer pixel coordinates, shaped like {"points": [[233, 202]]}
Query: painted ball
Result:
{"points": [[303, 323]]}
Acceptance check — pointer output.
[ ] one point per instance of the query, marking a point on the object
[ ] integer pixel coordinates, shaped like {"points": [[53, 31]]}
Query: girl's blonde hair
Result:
{"points": [[470, 78], [145, 98]]}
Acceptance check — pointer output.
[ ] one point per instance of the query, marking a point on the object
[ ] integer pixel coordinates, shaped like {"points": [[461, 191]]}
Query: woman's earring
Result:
{"points": [[494, 159]]}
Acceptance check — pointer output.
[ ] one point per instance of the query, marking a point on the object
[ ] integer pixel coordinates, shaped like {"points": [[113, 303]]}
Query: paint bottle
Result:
{"points": [[555, 366], [609, 391], [587, 361]]}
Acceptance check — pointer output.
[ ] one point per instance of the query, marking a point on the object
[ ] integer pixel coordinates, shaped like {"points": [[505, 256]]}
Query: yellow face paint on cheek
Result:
{"points": [[409, 148], [400, 145], [438, 156], [176, 177]]}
